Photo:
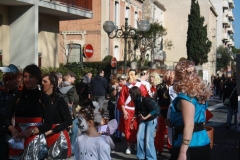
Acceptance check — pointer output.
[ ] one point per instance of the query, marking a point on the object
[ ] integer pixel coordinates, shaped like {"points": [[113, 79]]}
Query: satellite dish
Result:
{"points": [[11, 68]]}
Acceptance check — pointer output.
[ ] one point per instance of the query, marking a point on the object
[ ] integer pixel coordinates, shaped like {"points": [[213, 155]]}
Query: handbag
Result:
{"points": [[227, 100]]}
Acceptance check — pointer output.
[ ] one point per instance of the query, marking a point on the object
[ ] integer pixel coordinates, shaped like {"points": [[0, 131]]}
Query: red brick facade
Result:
{"points": [[93, 28]]}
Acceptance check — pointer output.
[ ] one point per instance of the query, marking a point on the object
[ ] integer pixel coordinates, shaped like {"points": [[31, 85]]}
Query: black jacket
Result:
{"points": [[234, 98], [98, 86], [143, 107]]}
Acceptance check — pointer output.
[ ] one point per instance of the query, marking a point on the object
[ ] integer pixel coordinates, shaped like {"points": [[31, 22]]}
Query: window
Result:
{"points": [[74, 52], [116, 13], [135, 19], [127, 12]]}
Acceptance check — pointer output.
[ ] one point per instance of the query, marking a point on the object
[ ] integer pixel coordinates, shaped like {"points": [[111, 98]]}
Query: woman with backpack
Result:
{"points": [[145, 111]]}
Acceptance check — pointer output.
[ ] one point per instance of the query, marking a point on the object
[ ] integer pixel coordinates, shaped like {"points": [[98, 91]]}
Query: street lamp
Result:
{"points": [[125, 32]]}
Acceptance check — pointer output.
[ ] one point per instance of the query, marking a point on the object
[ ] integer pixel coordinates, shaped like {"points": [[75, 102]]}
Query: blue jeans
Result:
{"points": [[145, 140], [74, 134], [231, 112]]}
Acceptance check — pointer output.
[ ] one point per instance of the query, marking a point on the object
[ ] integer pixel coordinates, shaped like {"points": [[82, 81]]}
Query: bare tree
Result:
{"points": [[67, 49]]}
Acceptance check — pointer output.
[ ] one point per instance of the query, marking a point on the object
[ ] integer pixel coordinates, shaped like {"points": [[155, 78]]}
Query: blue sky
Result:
{"points": [[236, 23]]}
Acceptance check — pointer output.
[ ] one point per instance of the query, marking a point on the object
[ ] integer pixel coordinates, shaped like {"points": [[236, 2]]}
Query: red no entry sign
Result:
{"points": [[88, 51], [114, 62]]}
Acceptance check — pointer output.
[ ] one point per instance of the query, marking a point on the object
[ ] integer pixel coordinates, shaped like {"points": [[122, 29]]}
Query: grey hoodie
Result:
{"points": [[64, 87]]}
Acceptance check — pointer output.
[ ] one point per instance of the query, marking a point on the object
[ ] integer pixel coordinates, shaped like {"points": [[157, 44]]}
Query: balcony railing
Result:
{"points": [[225, 20], [230, 42], [225, 4], [80, 4], [230, 30], [231, 3], [224, 36], [230, 14]]}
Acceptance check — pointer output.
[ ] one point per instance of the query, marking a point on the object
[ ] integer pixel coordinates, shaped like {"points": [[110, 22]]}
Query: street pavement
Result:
{"points": [[225, 141]]}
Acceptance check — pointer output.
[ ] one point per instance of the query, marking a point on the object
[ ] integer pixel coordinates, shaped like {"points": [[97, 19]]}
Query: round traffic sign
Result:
{"points": [[88, 51], [114, 62]]}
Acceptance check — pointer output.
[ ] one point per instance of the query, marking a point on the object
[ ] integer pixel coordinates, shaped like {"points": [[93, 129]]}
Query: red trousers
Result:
{"points": [[161, 131]]}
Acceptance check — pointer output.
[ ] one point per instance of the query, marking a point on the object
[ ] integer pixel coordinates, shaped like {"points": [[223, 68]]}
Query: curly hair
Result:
{"points": [[157, 79], [187, 81], [168, 77]]}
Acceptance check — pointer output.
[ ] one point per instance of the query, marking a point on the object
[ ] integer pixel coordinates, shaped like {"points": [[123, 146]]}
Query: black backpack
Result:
{"points": [[163, 95]]}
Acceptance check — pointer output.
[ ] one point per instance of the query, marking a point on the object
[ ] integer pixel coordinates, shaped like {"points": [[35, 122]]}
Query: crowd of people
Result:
{"points": [[51, 117], [225, 88]]}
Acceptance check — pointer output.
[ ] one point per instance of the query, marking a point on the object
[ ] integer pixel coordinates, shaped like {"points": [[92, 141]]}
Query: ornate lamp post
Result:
{"points": [[125, 32]]}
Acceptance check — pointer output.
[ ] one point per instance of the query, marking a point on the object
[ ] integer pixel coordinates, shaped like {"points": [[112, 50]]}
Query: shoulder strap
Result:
{"points": [[232, 93]]}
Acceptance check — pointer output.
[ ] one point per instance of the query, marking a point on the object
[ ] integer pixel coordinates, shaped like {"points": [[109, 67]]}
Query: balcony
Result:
{"points": [[231, 3], [225, 20], [230, 30], [225, 4], [230, 42], [224, 36], [64, 9], [230, 14], [80, 4], [67, 9]]}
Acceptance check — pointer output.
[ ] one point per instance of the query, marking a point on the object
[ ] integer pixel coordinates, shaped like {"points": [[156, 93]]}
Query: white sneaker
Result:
{"points": [[128, 151]]}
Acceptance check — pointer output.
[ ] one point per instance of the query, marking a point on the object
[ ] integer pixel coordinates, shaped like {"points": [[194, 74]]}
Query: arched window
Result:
{"points": [[117, 13], [127, 13]]}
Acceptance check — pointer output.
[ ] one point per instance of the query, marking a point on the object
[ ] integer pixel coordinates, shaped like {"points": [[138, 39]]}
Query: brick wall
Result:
{"points": [[93, 29]]}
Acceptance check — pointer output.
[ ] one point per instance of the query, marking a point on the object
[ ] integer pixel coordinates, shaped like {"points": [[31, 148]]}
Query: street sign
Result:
{"points": [[114, 62], [88, 51]]}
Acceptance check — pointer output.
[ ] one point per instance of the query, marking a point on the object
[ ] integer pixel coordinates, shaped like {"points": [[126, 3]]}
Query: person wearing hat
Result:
{"points": [[11, 83]]}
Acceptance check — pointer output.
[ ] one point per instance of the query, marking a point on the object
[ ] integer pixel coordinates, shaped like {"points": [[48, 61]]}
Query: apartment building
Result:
{"points": [[29, 29], [225, 28], [176, 23]]}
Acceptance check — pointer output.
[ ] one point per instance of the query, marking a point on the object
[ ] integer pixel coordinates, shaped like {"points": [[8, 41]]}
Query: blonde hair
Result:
{"points": [[187, 81], [157, 79]]}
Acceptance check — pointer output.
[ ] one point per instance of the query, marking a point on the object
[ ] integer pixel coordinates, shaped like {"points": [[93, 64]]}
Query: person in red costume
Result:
{"points": [[126, 106]]}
